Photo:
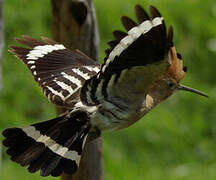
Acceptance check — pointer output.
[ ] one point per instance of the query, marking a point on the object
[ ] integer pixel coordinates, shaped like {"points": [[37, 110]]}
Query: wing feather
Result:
{"points": [[141, 14], [128, 23], [59, 71], [142, 51]]}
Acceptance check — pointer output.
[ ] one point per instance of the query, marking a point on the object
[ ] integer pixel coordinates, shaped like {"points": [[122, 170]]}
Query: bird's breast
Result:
{"points": [[116, 113], [126, 101]]}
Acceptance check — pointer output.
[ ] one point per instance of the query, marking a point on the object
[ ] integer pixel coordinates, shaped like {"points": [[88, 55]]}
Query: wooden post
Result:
{"points": [[75, 26]]}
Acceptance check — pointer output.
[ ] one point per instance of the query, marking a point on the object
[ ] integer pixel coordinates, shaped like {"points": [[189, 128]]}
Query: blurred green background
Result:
{"points": [[175, 141]]}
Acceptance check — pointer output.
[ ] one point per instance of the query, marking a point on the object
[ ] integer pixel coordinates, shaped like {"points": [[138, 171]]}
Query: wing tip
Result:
{"points": [[154, 11], [48, 40], [128, 23]]}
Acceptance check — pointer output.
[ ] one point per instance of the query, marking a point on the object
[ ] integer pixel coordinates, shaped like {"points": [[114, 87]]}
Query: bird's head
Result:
{"points": [[170, 81]]}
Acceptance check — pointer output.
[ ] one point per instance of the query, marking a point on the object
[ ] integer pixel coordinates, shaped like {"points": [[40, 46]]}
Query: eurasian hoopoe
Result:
{"points": [[141, 69]]}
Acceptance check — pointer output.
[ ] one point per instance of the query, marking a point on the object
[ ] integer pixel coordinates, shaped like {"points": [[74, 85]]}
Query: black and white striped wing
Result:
{"points": [[145, 45], [60, 72]]}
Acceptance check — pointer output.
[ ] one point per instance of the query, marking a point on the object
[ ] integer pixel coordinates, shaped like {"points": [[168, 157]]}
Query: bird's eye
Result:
{"points": [[171, 84]]}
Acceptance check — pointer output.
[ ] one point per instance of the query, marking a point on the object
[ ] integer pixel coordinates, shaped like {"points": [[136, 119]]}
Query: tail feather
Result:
{"points": [[38, 162], [54, 146], [16, 141], [29, 155]]}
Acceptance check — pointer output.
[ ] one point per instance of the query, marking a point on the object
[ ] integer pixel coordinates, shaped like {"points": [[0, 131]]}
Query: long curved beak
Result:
{"points": [[185, 88]]}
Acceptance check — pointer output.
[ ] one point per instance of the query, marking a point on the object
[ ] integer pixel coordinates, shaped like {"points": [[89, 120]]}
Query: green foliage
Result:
{"points": [[176, 140]]}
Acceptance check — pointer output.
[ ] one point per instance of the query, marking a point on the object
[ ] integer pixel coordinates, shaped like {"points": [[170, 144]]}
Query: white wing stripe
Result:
{"points": [[146, 26], [56, 92], [90, 68], [72, 79], [116, 52], [33, 67], [65, 87], [40, 51], [157, 21], [135, 32], [80, 73], [30, 62], [127, 41]]}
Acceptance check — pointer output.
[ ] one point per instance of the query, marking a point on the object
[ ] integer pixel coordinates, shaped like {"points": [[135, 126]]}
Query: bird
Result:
{"points": [[141, 69]]}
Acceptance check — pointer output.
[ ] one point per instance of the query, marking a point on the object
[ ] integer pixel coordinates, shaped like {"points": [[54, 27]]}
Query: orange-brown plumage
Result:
{"points": [[176, 68]]}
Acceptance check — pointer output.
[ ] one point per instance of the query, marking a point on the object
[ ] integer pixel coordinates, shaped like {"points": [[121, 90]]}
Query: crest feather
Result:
{"points": [[176, 69]]}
